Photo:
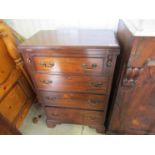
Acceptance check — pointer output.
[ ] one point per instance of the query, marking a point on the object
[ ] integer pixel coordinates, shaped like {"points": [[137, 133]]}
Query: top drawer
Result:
{"points": [[67, 65]]}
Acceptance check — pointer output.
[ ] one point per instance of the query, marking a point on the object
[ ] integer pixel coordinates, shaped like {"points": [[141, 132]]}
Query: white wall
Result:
{"points": [[27, 27], [69, 14]]}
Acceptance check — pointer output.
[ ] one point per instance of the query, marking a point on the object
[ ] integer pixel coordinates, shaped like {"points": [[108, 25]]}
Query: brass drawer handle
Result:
{"points": [[48, 65], [46, 81], [98, 85], [51, 98], [87, 67]]}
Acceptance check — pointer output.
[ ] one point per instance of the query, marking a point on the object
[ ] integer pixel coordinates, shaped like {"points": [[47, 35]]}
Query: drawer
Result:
{"points": [[66, 83], [60, 65], [74, 116], [73, 100]]}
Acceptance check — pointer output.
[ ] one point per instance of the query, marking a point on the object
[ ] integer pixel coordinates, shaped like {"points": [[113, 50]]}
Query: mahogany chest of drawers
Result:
{"points": [[72, 71]]}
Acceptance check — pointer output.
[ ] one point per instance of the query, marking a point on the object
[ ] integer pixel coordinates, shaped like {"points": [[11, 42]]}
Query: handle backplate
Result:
{"points": [[46, 81], [47, 65], [89, 67]]}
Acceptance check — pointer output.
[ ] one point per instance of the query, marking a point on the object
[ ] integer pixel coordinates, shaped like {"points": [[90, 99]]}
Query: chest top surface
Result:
{"points": [[72, 38]]}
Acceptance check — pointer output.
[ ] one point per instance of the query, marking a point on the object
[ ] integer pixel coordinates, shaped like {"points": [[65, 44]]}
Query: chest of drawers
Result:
{"points": [[72, 72]]}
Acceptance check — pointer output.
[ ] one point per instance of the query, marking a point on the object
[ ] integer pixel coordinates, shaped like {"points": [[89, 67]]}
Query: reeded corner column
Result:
{"points": [[7, 37]]}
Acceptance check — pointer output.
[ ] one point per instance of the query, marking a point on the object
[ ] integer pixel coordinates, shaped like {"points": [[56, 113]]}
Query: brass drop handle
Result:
{"points": [[48, 65], [46, 81], [87, 67], [98, 85], [51, 98]]}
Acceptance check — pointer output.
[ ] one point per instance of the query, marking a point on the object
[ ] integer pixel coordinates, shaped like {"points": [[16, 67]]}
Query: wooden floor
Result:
{"points": [[34, 124]]}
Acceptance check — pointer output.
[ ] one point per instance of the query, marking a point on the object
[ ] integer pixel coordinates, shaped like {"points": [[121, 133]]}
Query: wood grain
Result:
{"points": [[73, 100], [90, 118], [72, 72], [133, 97], [72, 38], [6, 128], [91, 84], [57, 65], [15, 91]]}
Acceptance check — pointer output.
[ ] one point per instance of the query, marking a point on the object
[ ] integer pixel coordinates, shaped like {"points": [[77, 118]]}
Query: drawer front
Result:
{"points": [[67, 83], [61, 65], [74, 116], [73, 100]]}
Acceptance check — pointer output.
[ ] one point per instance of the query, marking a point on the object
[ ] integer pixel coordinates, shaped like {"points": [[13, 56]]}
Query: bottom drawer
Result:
{"points": [[66, 115], [73, 100]]}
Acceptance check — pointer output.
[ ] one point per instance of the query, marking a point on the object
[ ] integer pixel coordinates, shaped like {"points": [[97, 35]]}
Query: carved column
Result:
{"points": [[6, 35]]}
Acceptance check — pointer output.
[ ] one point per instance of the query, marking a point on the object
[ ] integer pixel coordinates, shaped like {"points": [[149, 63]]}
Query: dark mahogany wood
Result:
{"points": [[72, 71], [91, 118], [59, 65], [133, 96], [72, 38], [68, 83], [73, 100]]}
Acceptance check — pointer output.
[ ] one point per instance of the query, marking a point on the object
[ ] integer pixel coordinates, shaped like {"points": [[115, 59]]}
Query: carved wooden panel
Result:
{"points": [[13, 102], [6, 63], [134, 90]]}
